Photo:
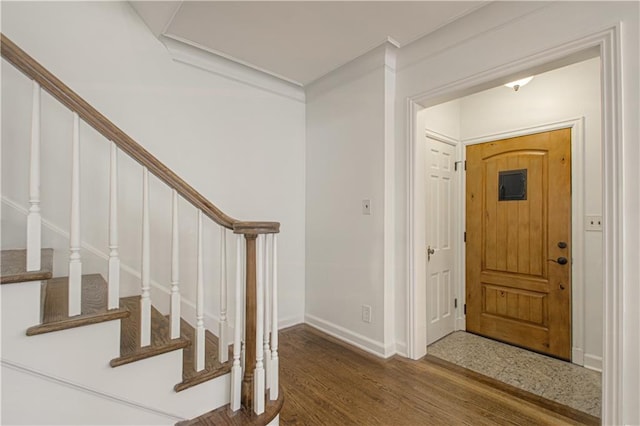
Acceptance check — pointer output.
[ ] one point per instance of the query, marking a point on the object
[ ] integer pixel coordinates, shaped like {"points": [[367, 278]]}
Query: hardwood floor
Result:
{"points": [[329, 383]]}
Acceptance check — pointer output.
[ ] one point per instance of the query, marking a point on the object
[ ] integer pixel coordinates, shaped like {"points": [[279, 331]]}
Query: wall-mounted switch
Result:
{"points": [[366, 207], [593, 223]]}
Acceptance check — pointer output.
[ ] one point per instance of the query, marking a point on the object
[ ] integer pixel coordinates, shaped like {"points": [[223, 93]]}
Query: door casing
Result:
{"points": [[607, 42]]}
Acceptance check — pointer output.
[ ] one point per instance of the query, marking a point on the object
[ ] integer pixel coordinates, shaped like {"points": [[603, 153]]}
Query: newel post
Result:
{"points": [[253, 383], [250, 323]]}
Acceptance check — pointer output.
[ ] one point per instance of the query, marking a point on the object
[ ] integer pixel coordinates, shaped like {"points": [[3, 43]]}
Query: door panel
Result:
{"points": [[440, 265], [518, 210]]}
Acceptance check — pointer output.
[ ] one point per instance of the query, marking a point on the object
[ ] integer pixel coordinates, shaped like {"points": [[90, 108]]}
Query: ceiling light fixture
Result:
{"points": [[516, 85]]}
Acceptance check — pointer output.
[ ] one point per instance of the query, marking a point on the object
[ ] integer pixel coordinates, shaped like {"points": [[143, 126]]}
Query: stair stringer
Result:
{"points": [[61, 402], [81, 356]]}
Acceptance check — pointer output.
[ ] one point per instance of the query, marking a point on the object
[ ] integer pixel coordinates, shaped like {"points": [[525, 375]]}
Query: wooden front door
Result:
{"points": [[518, 250]]}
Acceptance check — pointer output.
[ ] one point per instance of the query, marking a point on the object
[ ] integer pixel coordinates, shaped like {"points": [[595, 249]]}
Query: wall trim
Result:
{"points": [[381, 56], [401, 349], [189, 53], [593, 362], [355, 339], [441, 137], [607, 41], [85, 389], [288, 322]]}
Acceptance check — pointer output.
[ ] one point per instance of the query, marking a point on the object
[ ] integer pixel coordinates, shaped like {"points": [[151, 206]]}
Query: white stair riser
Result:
{"points": [[81, 355]]}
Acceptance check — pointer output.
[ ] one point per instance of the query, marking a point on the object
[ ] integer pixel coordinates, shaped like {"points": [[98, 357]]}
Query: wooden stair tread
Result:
{"points": [[55, 305], [13, 266], [213, 368], [224, 415], [130, 349]]}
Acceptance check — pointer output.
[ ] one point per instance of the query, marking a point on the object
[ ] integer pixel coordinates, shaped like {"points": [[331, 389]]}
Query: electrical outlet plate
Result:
{"points": [[366, 313], [593, 223]]}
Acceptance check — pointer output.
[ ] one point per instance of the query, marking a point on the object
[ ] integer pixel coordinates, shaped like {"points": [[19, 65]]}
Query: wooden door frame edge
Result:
{"points": [[608, 42]]}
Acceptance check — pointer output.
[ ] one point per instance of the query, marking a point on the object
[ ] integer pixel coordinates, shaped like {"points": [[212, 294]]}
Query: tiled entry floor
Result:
{"points": [[560, 381]]}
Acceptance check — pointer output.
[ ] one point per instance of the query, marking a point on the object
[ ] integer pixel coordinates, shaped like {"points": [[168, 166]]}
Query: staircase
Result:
{"points": [[77, 351]]}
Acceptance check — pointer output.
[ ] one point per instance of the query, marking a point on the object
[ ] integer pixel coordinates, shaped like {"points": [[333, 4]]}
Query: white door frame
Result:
{"points": [[608, 44]]}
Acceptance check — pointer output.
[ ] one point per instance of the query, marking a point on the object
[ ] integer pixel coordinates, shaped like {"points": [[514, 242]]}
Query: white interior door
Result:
{"points": [[440, 251]]}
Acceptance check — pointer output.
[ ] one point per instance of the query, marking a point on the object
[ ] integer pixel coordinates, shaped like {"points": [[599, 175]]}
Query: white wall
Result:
{"points": [[241, 147], [345, 165], [462, 58]]}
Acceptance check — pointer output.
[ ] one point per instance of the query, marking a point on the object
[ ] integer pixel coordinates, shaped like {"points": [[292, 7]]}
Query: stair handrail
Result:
{"points": [[60, 91]]}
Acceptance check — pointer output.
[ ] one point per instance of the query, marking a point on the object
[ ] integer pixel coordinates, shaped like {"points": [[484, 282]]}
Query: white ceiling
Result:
{"points": [[298, 41]]}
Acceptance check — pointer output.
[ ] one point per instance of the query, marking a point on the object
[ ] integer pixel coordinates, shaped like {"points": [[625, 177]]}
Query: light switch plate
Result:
{"points": [[366, 207]]}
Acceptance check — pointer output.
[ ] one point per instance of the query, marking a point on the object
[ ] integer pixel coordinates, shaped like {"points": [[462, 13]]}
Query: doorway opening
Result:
{"points": [[545, 104]]}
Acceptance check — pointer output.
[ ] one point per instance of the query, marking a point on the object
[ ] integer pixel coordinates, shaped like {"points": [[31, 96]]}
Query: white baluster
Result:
{"points": [[75, 265], [114, 260], [236, 369], [223, 347], [258, 390], [273, 390], [34, 220], [267, 311], [145, 299], [175, 271], [200, 342]]}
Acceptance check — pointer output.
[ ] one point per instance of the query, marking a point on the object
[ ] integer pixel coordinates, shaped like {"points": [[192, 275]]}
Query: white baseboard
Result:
{"points": [[362, 342], [593, 362], [401, 349], [577, 356], [290, 322]]}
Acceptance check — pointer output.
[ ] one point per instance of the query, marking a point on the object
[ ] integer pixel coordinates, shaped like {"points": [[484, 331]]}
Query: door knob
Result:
{"points": [[430, 251], [560, 261]]}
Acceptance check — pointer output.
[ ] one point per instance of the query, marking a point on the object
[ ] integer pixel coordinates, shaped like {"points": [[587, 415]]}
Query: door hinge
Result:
{"points": [[464, 164], [465, 309], [455, 303], [465, 236], [455, 165]]}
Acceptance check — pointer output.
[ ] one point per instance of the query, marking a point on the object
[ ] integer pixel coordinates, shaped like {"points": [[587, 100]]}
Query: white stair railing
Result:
{"points": [[145, 297], [174, 316], [75, 264], [223, 348], [236, 369], [267, 310], [258, 392], [114, 259], [275, 363], [34, 220], [199, 343]]}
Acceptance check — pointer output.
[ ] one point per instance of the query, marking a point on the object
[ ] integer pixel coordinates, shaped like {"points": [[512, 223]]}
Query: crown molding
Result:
{"points": [[382, 56], [187, 53]]}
